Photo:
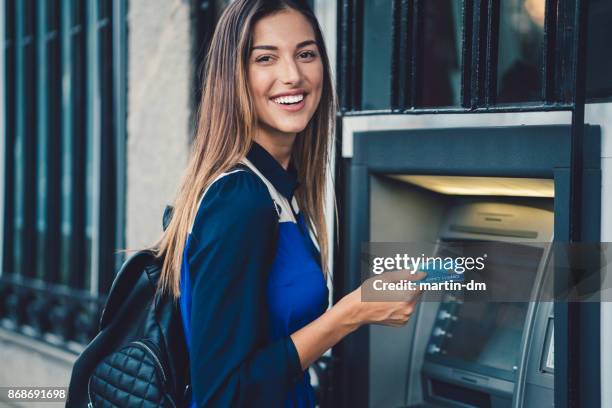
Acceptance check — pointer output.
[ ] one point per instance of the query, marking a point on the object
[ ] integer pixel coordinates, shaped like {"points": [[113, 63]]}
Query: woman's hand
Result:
{"points": [[393, 312], [351, 312]]}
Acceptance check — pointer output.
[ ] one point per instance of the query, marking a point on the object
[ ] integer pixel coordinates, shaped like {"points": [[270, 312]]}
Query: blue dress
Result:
{"points": [[248, 281]]}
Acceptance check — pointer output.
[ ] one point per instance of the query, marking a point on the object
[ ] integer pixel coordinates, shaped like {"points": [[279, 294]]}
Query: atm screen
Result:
{"points": [[487, 334]]}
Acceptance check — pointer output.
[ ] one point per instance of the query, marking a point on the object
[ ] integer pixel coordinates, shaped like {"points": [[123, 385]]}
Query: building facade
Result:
{"points": [[99, 101]]}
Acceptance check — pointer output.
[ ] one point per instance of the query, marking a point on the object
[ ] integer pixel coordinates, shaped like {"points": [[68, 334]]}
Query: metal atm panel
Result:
{"points": [[475, 350], [525, 152]]}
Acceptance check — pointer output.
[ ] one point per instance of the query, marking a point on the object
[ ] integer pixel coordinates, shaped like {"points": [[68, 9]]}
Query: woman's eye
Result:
{"points": [[307, 55], [264, 59]]}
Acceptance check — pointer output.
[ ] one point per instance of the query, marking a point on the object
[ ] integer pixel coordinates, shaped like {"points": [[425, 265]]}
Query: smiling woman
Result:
{"points": [[285, 73], [238, 252]]}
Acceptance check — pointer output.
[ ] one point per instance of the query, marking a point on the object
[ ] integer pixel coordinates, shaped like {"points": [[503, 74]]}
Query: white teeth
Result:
{"points": [[289, 99]]}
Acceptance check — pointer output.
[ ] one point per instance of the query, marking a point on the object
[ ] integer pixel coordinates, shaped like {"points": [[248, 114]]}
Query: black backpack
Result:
{"points": [[139, 357]]}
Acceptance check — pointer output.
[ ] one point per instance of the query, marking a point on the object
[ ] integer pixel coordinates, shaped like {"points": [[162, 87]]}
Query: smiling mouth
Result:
{"points": [[289, 99]]}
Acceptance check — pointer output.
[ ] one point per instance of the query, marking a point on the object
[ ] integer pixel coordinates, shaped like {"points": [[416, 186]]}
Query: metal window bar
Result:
{"points": [[492, 46], [416, 50], [564, 53], [400, 34], [550, 22], [53, 213], [350, 45], [73, 161], [3, 53], [49, 91], [119, 49], [478, 57], [9, 138], [93, 147], [356, 64], [25, 143], [466, 53], [42, 65], [107, 170]]}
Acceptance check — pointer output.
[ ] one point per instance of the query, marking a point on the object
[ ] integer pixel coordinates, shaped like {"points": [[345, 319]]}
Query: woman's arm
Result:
{"points": [[232, 363], [348, 315]]}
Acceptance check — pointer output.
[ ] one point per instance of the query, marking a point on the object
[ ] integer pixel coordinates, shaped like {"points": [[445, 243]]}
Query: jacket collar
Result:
{"points": [[284, 181]]}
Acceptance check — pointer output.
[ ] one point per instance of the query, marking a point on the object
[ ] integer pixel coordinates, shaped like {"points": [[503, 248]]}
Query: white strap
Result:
{"points": [[280, 202]]}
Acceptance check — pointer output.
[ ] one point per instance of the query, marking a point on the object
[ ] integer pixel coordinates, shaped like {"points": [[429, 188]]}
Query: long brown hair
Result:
{"points": [[225, 129]]}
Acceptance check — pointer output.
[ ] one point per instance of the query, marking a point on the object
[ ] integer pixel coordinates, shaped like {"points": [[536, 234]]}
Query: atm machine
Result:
{"points": [[486, 354], [455, 353], [469, 353]]}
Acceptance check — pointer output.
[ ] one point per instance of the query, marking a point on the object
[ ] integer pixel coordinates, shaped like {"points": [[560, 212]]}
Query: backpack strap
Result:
{"points": [[124, 283], [281, 204]]}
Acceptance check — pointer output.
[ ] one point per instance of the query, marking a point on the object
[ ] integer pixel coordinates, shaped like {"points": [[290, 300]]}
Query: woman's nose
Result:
{"points": [[290, 72]]}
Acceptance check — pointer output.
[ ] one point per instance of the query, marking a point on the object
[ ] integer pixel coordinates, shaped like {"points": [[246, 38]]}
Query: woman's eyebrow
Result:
{"points": [[275, 48]]}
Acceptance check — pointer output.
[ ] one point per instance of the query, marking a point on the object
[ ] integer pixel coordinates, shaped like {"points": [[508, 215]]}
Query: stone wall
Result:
{"points": [[159, 81]]}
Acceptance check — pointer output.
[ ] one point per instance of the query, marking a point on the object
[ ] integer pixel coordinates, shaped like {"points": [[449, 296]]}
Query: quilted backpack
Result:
{"points": [[139, 357]]}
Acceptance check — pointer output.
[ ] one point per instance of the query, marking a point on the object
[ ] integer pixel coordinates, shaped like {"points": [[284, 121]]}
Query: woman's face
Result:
{"points": [[285, 72]]}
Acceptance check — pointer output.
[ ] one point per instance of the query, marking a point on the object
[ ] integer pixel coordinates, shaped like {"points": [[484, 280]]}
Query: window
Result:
{"points": [[457, 55], [62, 135]]}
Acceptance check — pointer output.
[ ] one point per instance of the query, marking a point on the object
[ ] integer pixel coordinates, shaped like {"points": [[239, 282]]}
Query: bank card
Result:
{"points": [[438, 272]]}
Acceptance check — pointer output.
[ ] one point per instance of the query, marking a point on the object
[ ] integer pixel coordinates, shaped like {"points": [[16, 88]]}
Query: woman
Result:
{"points": [[238, 251]]}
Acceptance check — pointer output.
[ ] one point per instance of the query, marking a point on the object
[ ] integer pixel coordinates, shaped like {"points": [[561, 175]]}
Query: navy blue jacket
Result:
{"points": [[227, 261]]}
